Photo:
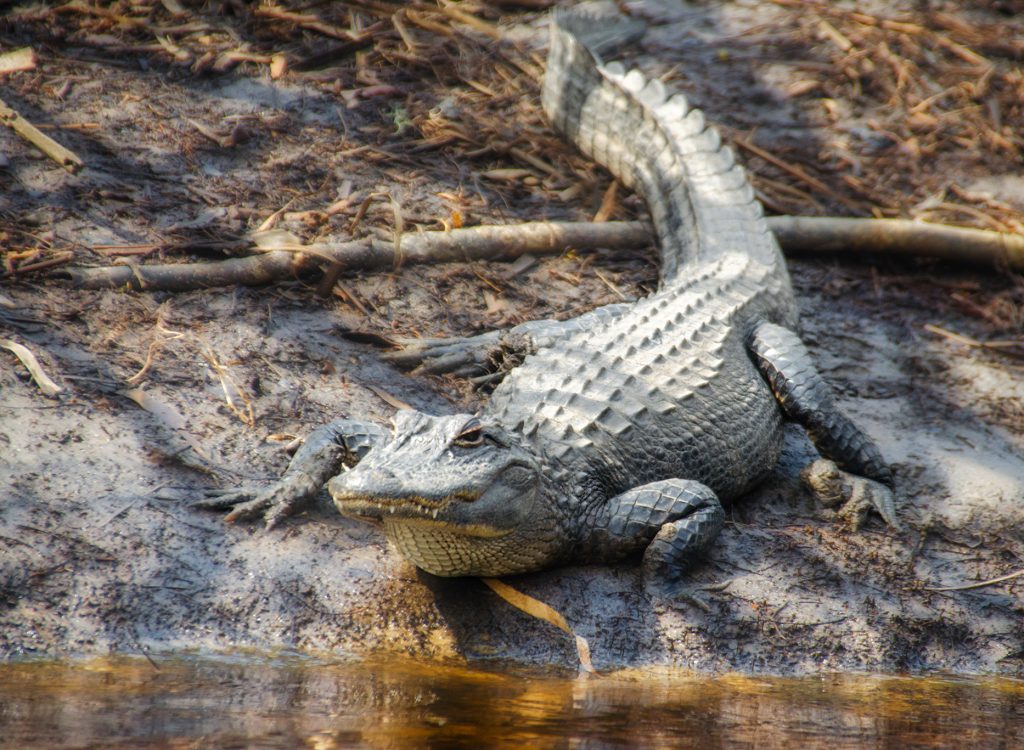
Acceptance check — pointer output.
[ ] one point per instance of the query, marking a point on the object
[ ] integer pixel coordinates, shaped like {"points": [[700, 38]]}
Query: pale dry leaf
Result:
{"points": [[542, 611], [47, 386], [387, 397], [158, 408]]}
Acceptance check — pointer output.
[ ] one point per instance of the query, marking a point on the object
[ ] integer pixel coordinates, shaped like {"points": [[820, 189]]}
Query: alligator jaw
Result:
{"points": [[409, 507]]}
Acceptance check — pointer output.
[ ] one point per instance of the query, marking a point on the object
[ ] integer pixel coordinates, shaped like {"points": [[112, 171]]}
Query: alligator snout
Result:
{"points": [[378, 482]]}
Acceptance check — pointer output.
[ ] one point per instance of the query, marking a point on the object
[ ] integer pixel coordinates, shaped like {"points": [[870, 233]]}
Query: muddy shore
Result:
{"points": [[164, 395]]}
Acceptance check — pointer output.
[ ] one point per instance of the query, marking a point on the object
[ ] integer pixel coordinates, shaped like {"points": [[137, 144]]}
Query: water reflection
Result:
{"points": [[183, 702]]}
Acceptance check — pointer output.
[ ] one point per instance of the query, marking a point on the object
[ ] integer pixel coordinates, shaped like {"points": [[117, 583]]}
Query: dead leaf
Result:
{"points": [[47, 386], [542, 611], [159, 409], [387, 397]]}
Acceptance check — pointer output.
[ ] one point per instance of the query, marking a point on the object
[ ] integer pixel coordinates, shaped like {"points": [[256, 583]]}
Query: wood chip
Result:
{"points": [[278, 65], [508, 174], [19, 59], [174, 8], [609, 202], [63, 156]]}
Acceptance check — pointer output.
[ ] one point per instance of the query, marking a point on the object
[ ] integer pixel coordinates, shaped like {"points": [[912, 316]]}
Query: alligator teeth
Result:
{"points": [[434, 514]]}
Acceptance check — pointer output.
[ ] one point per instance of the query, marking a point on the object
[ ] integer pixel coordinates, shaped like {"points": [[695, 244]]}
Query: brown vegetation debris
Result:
{"points": [[926, 99]]}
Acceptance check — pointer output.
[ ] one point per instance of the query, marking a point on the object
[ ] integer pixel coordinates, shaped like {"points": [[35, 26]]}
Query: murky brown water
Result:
{"points": [[243, 703]]}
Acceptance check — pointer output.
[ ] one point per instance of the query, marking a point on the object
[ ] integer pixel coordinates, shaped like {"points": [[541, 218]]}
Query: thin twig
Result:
{"points": [[484, 27], [542, 611], [306, 21], [797, 172], [979, 584]]}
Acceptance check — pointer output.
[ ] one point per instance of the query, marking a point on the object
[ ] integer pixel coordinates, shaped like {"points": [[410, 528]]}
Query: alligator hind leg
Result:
{"points": [[856, 476], [677, 519], [495, 352], [471, 356], [323, 454]]}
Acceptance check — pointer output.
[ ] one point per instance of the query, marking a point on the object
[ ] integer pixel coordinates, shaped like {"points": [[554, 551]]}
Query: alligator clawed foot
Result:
{"points": [[244, 505], [855, 495], [463, 356], [675, 591]]}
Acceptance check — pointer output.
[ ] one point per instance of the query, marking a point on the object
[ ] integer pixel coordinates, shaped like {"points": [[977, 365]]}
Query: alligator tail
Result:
{"points": [[700, 201]]}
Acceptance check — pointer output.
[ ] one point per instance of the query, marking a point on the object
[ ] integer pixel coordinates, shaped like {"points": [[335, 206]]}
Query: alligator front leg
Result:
{"points": [[323, 454], [677, 519], [807, 399]]}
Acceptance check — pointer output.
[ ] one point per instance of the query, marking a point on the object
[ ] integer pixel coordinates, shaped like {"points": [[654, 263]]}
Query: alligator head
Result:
{"points": [[456, 495]]}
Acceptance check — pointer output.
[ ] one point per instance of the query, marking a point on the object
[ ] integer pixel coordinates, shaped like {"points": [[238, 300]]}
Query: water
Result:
{"points": [[259, 703]]}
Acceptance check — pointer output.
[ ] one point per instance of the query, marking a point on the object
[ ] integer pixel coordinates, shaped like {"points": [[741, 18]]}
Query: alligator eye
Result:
{"points": [[471, 436]]}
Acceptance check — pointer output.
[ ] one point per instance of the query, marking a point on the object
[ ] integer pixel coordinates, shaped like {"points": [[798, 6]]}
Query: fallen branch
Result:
{"points": [[796, 234], [288, 261], [66, 158]]}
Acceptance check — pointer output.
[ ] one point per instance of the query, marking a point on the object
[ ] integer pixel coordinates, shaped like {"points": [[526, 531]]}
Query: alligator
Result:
{"points": [[622, 431]]}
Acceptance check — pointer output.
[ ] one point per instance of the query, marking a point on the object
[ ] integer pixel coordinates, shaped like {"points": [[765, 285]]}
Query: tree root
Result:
{"points": [[796, 234], [819, 235]]}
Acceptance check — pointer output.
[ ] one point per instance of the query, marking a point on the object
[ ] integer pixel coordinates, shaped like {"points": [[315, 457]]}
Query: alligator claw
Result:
{"points": [[454, 361], [487, 379], [856, 495], [221, 500], [675, 589]]}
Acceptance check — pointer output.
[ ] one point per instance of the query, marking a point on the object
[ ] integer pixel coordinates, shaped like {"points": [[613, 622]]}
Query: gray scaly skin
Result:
{"points": [[622, 430]]}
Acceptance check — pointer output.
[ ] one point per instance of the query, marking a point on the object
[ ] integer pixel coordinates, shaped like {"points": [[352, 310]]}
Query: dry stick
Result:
{"points": [[796, 234], [796, 171], [67, 159], [62, 257], [979, 584], [306, 21]]}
